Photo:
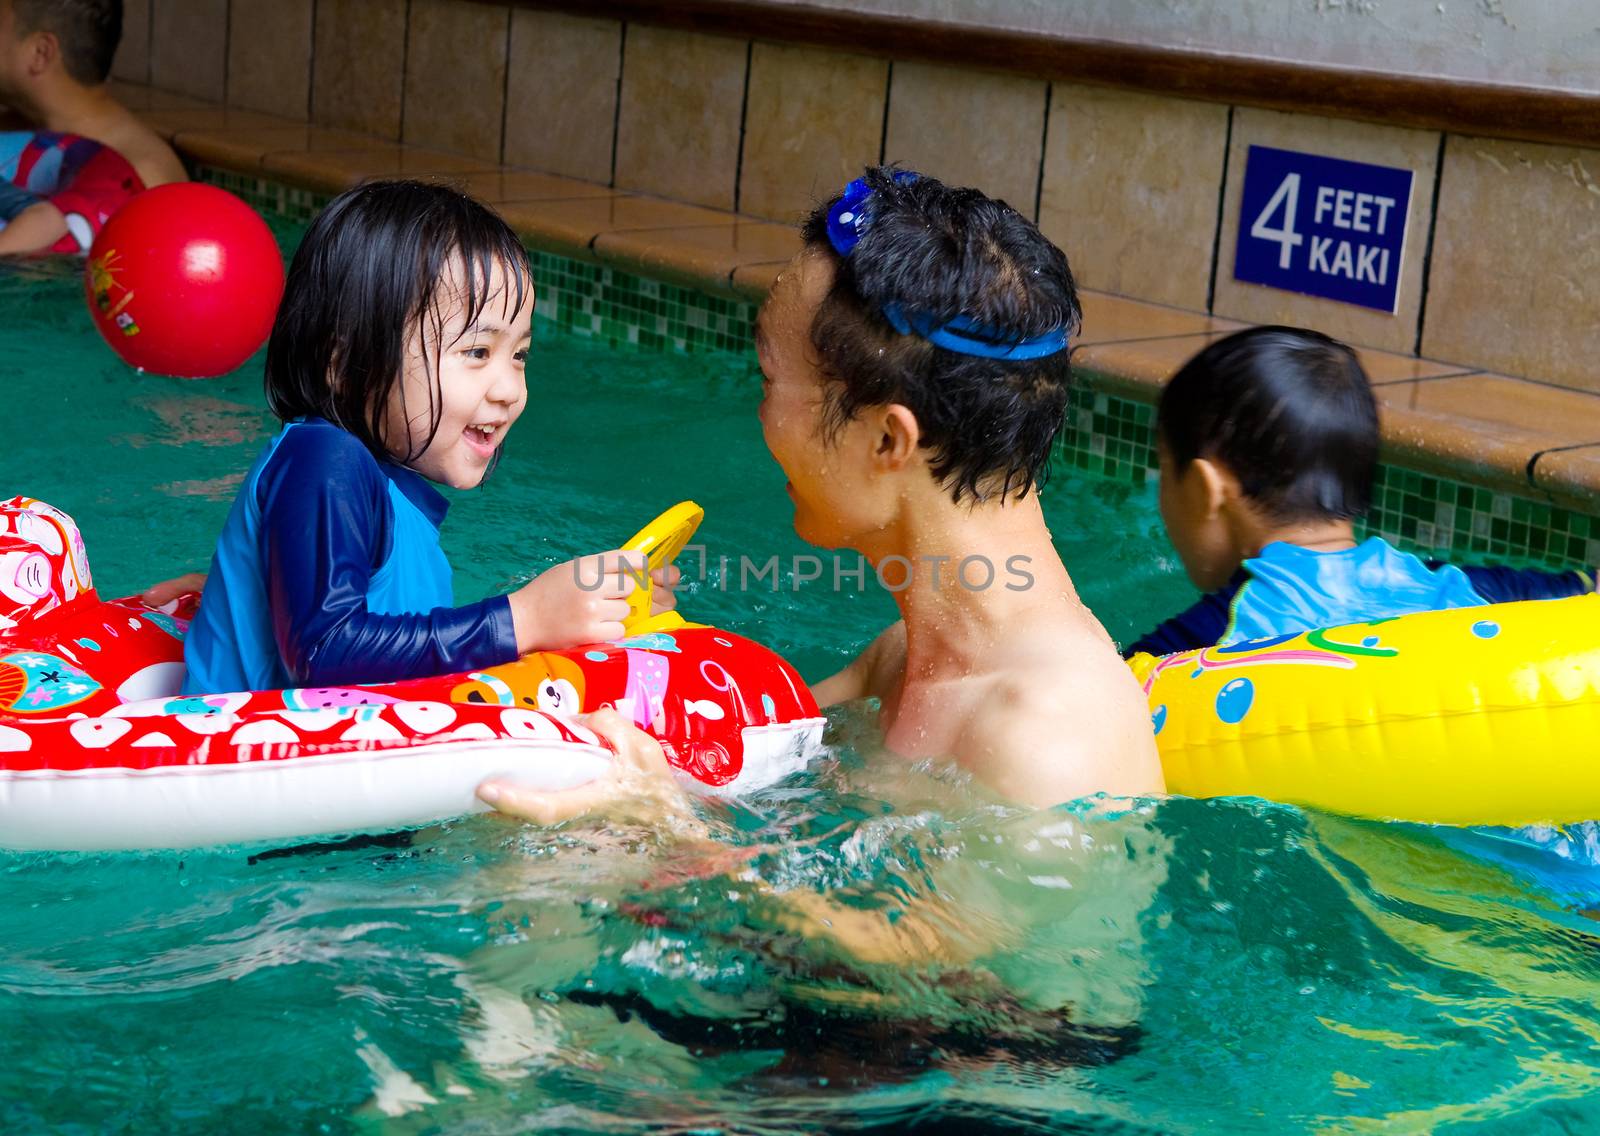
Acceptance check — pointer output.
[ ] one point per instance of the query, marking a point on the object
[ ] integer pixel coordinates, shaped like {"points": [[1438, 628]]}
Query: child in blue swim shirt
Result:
{"points": [[396, 363], [1268, 444]]}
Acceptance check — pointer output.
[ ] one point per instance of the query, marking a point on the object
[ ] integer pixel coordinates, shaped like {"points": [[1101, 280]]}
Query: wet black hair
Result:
{"points": [[943, 251], [365, 279], [87, 30], [1288, 411]]}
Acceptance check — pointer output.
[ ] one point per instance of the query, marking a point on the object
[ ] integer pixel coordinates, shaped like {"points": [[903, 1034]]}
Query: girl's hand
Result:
{"points": [[664, 596], [639, 785], [581, 601]]}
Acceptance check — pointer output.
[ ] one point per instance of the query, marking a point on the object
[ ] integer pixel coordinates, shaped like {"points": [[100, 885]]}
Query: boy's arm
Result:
{"points": [[1507, 585], [1200, 625], [864, 677], [35, 228], [1041, 740]]}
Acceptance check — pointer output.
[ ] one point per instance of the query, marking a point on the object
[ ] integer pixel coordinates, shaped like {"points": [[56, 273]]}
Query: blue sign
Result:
{"points": [[1323, 226]]}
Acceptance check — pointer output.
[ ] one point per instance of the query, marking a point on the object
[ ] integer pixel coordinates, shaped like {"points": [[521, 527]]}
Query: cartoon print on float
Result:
{"points": [[551, 683], [33, 683]]}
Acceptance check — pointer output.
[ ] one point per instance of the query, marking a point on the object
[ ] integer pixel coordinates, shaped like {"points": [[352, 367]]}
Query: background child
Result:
{"points": [[397, 359], [1268, 443]]}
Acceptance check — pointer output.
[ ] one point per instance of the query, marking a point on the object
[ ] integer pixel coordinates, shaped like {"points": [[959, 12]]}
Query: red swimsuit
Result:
{"points": [[84, 179]]}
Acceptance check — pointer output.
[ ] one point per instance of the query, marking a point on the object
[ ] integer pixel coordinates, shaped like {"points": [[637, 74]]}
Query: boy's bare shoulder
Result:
{"points": [[155, 162], [147, 152], [1063, 717]]}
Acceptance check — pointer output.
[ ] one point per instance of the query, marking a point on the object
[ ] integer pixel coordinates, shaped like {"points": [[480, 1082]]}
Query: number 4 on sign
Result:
{"points": [[1288, 196]]}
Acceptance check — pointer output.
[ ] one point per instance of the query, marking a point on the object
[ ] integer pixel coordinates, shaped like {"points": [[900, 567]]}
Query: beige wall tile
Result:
{"points": [[269, 56], [969, 128], [678, 129], [132, 62], [188, 47], [456, 76], [1415, 150], [356, 80], [813, 119], [561, 95], [1515, 277], [701, 256], [1130, 190], [1109, 318]]}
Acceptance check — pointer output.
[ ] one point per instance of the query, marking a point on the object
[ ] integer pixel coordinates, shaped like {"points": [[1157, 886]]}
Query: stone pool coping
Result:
{"points": [[1502, 432]]}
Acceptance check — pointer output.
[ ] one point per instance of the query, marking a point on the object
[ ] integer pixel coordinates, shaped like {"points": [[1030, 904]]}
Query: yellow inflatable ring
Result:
{"points": [[1483, 715]]}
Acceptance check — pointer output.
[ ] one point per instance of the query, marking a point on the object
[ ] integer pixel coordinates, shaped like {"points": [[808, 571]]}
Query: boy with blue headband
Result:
{"points": [[914, 360]]}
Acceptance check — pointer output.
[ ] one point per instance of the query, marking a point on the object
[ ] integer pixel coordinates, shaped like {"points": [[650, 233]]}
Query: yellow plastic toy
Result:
{"points": [[661, 541], [1482, 715]]}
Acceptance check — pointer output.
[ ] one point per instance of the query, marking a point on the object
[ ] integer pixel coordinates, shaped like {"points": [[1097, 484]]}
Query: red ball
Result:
{"points": [[184, 280]]}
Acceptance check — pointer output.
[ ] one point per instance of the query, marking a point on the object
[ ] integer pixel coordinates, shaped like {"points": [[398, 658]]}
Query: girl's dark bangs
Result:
{"points": [[482, 247]]}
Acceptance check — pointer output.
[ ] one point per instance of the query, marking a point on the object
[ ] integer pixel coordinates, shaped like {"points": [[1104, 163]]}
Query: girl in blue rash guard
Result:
{"points": [[397, 359]]}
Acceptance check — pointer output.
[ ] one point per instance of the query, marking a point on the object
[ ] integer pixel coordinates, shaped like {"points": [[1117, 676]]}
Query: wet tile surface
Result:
{"points": [[561, 93], [354, 82], [1515, 284], [678, 127], [1130, 190], [814, 119], [269, 56], [456, 77]]}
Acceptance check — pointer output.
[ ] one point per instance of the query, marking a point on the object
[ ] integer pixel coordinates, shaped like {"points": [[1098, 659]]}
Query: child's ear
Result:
{"points": [[1213, 486], [43, 50], [898, 436]]}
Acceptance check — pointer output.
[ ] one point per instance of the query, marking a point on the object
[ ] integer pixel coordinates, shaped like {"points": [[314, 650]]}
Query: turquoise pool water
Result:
{"points": [[1192, 967]]}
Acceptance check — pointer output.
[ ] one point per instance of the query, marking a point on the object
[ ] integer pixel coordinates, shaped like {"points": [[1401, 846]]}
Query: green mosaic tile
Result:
{"points": [[1108, 436], [266, 196], [1454, 520]]}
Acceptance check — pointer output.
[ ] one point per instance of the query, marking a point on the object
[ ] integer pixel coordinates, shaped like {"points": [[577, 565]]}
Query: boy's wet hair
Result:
{"points": [[1288, 411], [87, 30], [947, 252], [373, 271]]}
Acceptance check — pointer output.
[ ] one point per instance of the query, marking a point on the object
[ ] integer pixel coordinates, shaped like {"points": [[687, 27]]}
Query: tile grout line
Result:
{"points": [[505, 89], [1427, 254], [1044, 152], [311, 74], [1222, 205], [1465, 373], [227, 44], [744, 119], [405, 68], [888, 95], [1532, 469], [616, 110]]}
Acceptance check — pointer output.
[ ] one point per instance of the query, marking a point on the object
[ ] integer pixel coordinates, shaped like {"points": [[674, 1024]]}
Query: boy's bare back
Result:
{"points": [[114, 125]]}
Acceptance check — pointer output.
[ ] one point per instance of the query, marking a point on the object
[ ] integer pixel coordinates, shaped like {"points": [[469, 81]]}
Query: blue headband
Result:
{"points": [[848, 220]]}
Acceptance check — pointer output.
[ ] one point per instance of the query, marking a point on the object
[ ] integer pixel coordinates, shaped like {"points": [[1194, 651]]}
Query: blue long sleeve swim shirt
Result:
{"points": [[329, 572], [1288, 589]]}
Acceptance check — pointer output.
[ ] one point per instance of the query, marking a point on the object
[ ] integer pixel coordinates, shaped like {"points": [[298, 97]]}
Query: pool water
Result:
{"points": [[1189, 966]]}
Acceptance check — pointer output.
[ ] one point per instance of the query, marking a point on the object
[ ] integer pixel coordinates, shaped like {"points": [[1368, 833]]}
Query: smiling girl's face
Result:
{"points": [[482, 381]]}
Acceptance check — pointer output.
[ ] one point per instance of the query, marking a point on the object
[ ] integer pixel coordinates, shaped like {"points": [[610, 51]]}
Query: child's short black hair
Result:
{"points": [[1289, 412], [87, 30], [948, 252], [363, 281]]}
